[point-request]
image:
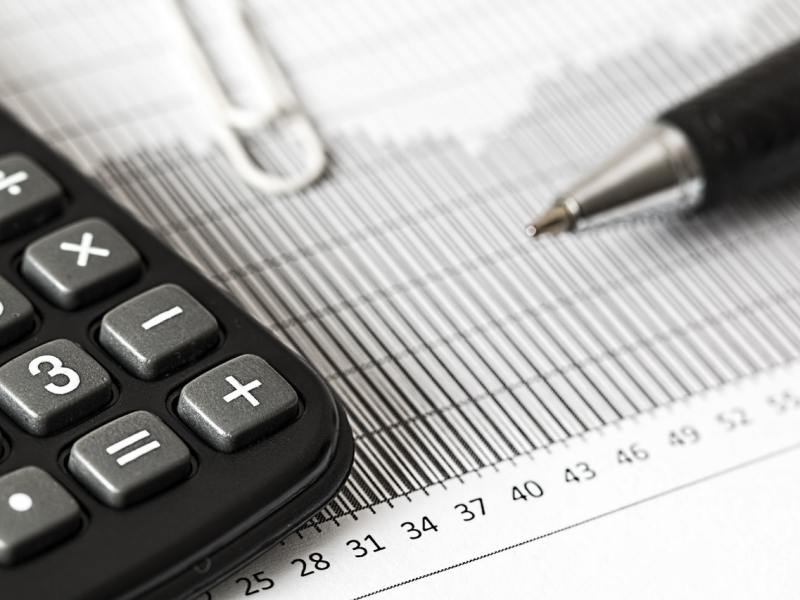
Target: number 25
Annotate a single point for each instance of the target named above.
(56, 368)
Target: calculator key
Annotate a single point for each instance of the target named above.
(129, 459)
(237, 402)
(28, 195)
(16, 314)
(80, 263)
(159, 331)
(52, 387)
(35, 513)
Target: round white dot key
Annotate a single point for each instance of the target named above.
(20, 501)
(36, 512)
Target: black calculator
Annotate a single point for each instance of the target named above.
(153, 436)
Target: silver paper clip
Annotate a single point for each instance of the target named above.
(234, 121)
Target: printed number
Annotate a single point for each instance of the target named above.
(631, 454)
(251, 586)
(580, 472)
(315, 560)
(529, 489)
(56, 368)
(683, 436)
(733, 419)
(414, 532)
(784, 401)
(360, 549)
(467, 513)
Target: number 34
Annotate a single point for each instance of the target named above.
(56, 369)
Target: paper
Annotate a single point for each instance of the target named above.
(462, 350)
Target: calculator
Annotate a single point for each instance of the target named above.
(153, 436)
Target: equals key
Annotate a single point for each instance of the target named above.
(129, 459)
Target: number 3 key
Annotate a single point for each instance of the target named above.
(52, 386)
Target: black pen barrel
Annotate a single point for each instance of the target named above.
(746, 129)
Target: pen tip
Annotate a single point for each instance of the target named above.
(554, 220)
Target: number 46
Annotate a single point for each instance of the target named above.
(632, 454)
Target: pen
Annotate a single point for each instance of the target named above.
(741, 136)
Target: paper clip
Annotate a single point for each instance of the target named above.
(235, 121)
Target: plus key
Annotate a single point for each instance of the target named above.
(229, 420)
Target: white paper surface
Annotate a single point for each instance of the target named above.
(472, 361)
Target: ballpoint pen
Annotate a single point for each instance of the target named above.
(741, 136)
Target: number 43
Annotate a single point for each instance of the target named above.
(580, 472)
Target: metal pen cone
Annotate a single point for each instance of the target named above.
(657, 170)
(554, 220)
